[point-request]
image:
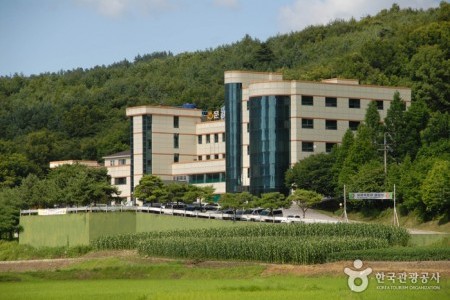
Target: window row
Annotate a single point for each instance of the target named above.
(209, 137)
(309, 147)
(121, 162)
(332, 102)
(207, 178)
(211, 156)
(329, 124)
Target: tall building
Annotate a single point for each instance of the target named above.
(272, 123)
(267, 126)
(177, 144)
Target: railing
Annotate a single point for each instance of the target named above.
(167, 211)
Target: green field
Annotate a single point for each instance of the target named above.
(191, 268)
(137, 278)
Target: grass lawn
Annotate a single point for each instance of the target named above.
(278, 287)
(137, 278)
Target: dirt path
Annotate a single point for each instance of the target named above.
(335, 268)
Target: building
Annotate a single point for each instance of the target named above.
(177, 144)
(119, 169)
(268, 124)
(271, 123)
(88, 163)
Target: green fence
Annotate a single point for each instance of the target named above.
(73, 229)
(81, 228)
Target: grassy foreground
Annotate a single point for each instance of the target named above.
(114, 278)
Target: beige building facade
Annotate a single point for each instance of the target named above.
(268, 124)
(272, 123)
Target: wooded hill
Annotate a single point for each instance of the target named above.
(80, 114)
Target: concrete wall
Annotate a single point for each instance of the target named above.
(55, 231)
(73, 229)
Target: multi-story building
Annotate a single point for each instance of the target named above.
(119, 169)
(269, 125)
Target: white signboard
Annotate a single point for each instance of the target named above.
(52, 211)
(367, 196)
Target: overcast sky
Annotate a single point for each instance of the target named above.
(50, 35)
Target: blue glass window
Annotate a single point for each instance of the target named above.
(269, 143)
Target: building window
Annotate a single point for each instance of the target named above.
(329, 147)
(216, 156)
(200, 139)
(176, 122)
(216, 137)
(120, 181)
(380, 105)
(331, 124)
(307, 146)
(353, 125)
(308, 100)
(248, 127)
(208, 157)
(200, 157)
(223, 156)
(122, 161)
(223, 137)
(354, 103)
(112, 162)
(208, 139)
(330, 101)
(307, 123)
(176, 157)
(176, 140)
(248, 149)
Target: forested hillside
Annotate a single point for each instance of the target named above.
(80, 114)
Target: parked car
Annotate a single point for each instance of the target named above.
(251, 214)
(291, 219)
(193, 207)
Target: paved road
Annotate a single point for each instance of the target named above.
(316, 215)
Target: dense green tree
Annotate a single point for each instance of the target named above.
(151, 189)
(175, 191)
(372, 120)
(9, 213)
(272, 201)
(435, 189)
(15, 167)
(416, 119)
(232, 201)
(430, 73)
(369, 178)
(305, 199)
(313, 173)
(395, 126)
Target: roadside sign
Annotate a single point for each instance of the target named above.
(366, 196)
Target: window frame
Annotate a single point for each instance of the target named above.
(331, 127)
(307, 146)
(330, 101)
(307, 100)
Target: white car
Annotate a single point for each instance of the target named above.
(291, 219)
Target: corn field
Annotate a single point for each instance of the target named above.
(273, 243)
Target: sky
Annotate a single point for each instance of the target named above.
(38, 36)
